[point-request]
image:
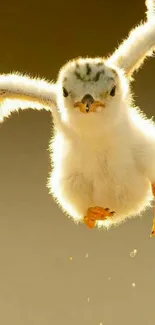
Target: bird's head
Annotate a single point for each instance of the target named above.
(90, 90)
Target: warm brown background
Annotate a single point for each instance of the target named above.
(39, 284)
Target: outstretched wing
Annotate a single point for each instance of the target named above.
(150, 4)
(140, 43)
(22, 92)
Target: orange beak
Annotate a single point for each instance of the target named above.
(88, 104)
(92, 107)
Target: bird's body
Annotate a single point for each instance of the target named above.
(106, 170)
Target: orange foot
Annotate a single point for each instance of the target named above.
(153, 226)
(153, 229)
(97, 214)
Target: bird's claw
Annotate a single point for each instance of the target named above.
(153, 229)
(153, 226)
(95, 214)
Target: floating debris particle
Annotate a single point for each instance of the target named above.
(133, 253)
(86, 256)
(88, 299)
(71, 258)
(133, 284)
(109, 278)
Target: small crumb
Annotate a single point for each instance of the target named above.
(71, 258)
(133, 253)
(86, 256)
(101, 323)
(133, 284)
(109, 278)
(88, 299)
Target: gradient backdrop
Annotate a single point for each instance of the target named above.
(53, 272)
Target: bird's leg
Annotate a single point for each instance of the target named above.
(153, 226)
(97, 214)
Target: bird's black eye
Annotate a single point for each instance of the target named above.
(113, 91)
(65, 92)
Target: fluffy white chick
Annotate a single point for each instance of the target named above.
(103, 148)
(103, 152)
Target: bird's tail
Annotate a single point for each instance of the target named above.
(23, 92)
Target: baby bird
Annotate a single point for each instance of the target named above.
(103, 147)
